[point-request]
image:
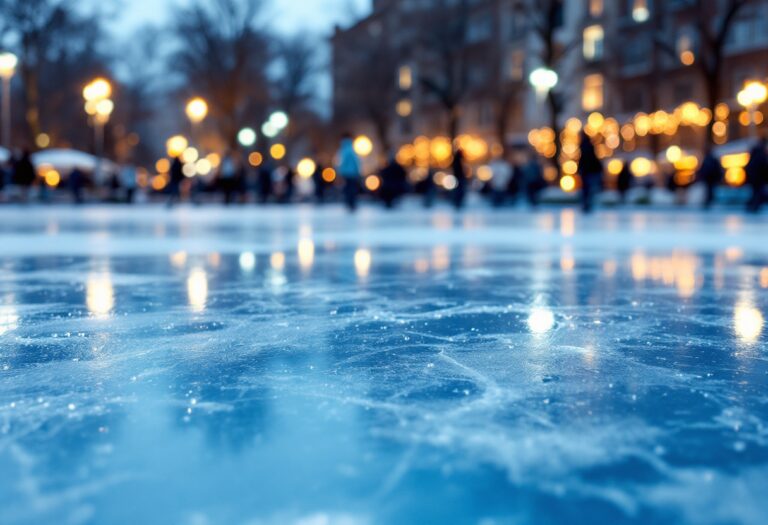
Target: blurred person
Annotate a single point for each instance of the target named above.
(757, 172)
(624, 182)
(176, 178)
(288, 185)
(76, 185)
(319, 182)
(24, 174)
(393, 182)
(227, 178)
(533, 178)
(426, 187)
(501, 179)
(5, 175)
(128, 181)
(460, 192)
(711, 173)
(349, 169)
(265, 185)
(590, 168)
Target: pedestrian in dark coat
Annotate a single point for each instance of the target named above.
(591, 170)
(393, 182)
(624, 182)
(460, 192)
(174, 187)
(757, 172)
(711, 174)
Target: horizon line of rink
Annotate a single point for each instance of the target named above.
(681, 271)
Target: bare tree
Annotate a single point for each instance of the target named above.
(546, 18)
(294, 86)
(57, 48)
(365, 87)
(713, 21)
(222, 56)
(444, 73)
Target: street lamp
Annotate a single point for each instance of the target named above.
(543, 80)
(247, 137)
(197, 110)
(8, 63)
(99, 107)
(751, 97)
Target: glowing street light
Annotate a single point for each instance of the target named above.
(751, 97)
(279, 120)
(176, 145)
(247, 137)
(8, 63)
(363, 146)
(197, 110)
(99, 107)
(98, 89)
(543, 80)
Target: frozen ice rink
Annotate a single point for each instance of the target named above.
(299, 366)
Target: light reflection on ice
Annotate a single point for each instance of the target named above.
(9, 315)
(197, 289)
(247, 261)
(363, 262)
(178, 259)
(100, 295)
(306, 252)
(747, 322)
(277, 261)
(541, 320)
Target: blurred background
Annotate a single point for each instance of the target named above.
(655, 85)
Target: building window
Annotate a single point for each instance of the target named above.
(405, 78)
(480, 28)
(596, 8)
(593, 42)
(517, 65)
(592, 96)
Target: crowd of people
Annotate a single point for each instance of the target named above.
(512, 177)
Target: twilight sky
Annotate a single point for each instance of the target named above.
(317, 16)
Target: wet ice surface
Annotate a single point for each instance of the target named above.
(297, 366)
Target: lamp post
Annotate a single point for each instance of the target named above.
(751, 97)
(99, 107)
(543, 81)
(197, 111)
(8, 63)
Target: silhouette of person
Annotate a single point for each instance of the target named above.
(393, 182)
(174, 186)
(460, 192)
(591, 170)
(349, 169)
(757, 171)
(711, 174)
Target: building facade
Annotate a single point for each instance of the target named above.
(462, 67)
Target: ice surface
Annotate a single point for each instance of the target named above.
(301, 366)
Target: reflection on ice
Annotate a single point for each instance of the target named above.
(747, 322)
(197, 289)
(306, 251)
(100, 295)
(541, 320)
(277, 261)
(178, 260)
(9, 315)
(247, 261)
(362, 262)
(441, 258)
(598, 375)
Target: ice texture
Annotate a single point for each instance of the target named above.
(297, 365)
